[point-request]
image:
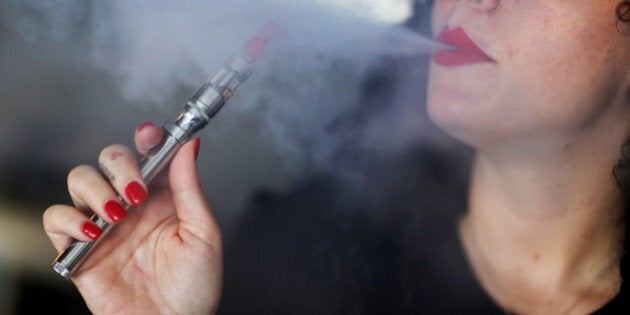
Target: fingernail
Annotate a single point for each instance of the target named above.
(91, 230)
(115, 210)
(144, 125)
(197, 144)
(135, 193)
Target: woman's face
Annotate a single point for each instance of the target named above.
(543, 68)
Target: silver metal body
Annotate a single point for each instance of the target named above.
(197, 112)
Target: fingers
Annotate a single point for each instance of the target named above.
(89, 190)
(190, 203)
(119, 165)
(147, 136)
(63, 223)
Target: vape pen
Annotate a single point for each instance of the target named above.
(197, 112)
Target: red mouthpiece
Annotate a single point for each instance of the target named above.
(255, 48)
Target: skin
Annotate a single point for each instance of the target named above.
(165, 258)
(543, 230)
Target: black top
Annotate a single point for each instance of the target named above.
(384, 244)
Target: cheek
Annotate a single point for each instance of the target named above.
(565, 94)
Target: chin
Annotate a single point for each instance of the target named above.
(449, 113)
(466, 124)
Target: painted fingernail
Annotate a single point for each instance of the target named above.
(135, 193)
(144, 125)
(197, 144)
(115, 210)
(91, 230)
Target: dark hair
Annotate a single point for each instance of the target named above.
(623, 11)
(621, 172)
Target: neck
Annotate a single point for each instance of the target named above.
(540, 226)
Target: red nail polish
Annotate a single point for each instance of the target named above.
(144, 125)
(135, 193)
(197, 144)
(91, 230)
(115, 210)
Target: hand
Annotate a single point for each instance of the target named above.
(165, 256)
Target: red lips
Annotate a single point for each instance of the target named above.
(466, 52)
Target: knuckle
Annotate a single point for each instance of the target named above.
(46, 216)
(113, 152)
(79, 172)
(53, 215)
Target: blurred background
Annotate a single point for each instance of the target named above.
(59, 107)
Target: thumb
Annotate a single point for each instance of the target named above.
(192, 208)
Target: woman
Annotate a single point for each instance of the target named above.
(546, 107)
(539, 90)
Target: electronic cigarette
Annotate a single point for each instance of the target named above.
(197, 112)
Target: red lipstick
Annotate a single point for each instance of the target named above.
(466, 51)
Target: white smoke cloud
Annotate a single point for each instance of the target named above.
(389, 11)
(309, 77)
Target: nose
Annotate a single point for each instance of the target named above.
(460, 10)
(483, 5)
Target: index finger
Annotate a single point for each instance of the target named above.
(147, 136)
